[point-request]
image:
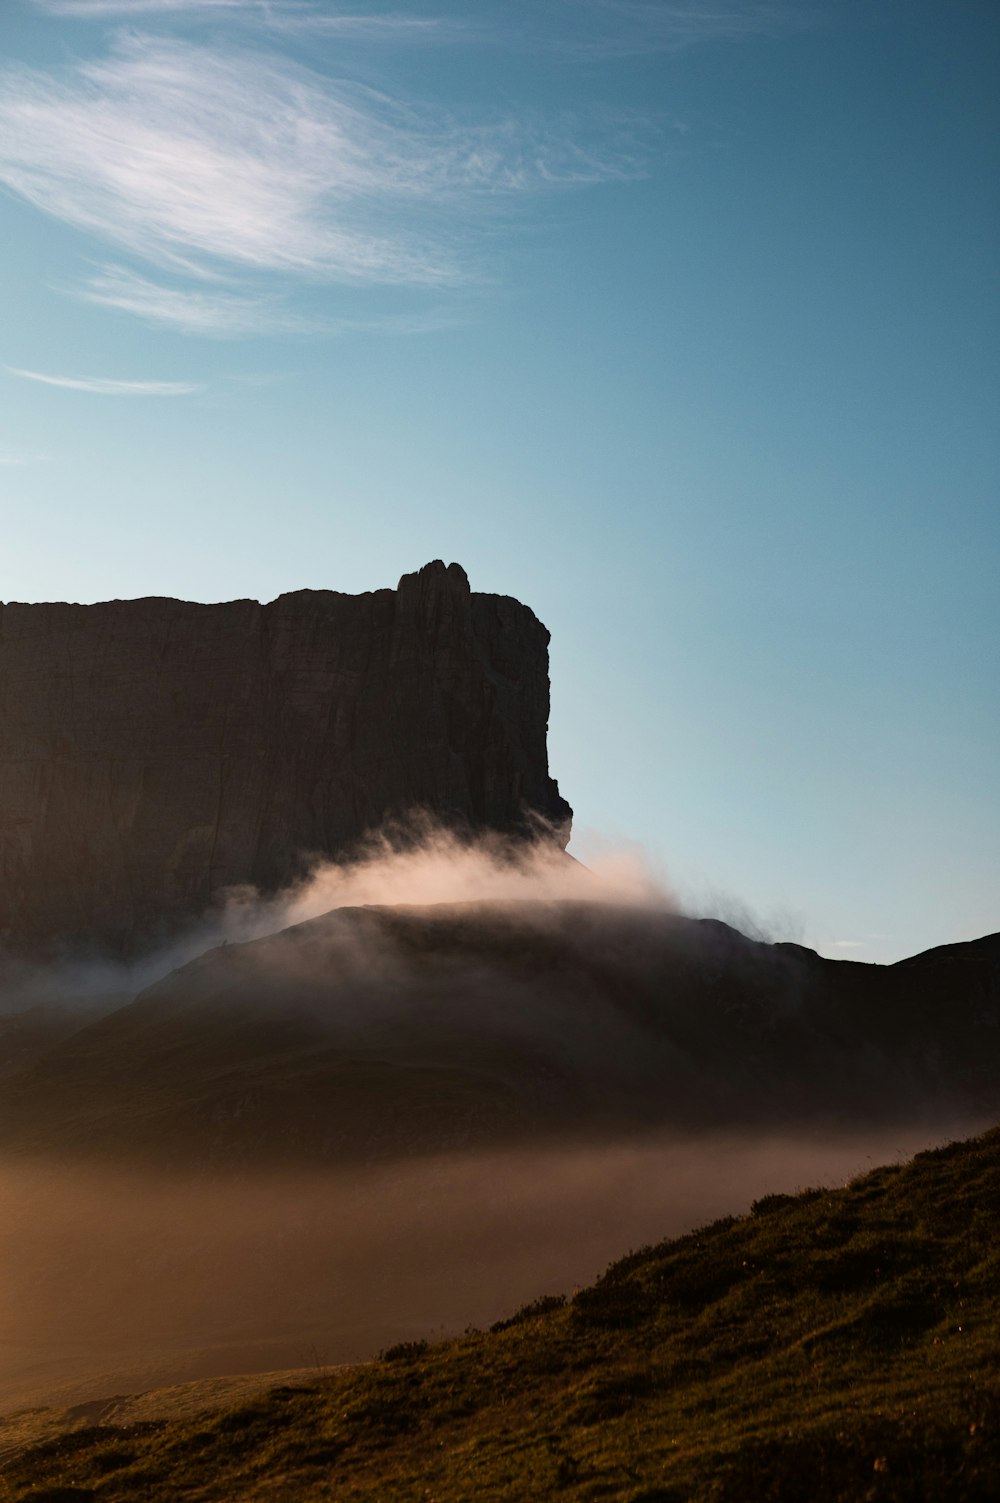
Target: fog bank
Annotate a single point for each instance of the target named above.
(111, 1283)
(412, 861)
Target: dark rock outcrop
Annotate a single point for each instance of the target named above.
(155, 752)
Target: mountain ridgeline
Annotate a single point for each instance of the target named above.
(155, 753)
(156, 756)
(377, 1033)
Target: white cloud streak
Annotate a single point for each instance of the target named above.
(603, 27)
(221, 313)
(224, 314)
(212, 161)
(100, 386)
(275, 15)
(189, 156)
(389, 27)
(123, 10)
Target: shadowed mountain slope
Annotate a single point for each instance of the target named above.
(376, 1032)
(835, 1345)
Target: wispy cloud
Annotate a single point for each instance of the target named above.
(195, 310)
(197, 158)
(391, 26)
(123, 9)
(226, 314)
(277, 15)
(105, 388)
(627, 28)
(211, 160)
(604, 27)
(240, 177)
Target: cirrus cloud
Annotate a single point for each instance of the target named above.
(275, 15)
(101, 386)
(222, 165)
(200, 158)
(193, 310)
(125, 8)
(225, 314)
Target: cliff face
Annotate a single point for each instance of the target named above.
(154, 752)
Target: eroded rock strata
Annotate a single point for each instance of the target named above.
(154, 752)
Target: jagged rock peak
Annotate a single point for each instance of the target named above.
(435, 574)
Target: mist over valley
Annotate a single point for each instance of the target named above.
(322, 1071)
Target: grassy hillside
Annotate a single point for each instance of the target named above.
(834, 1345)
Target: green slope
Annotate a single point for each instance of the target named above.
(835, 1345)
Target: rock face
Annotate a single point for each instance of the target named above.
(155, 752)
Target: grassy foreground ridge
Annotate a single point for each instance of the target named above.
(833, 1345)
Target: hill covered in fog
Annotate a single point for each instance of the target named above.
(377, 1032)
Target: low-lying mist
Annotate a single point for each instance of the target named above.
(112, 1283)
(411, 861)
(488, 1073)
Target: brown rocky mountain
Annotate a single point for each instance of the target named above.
(155, 752)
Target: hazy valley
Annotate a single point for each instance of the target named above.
(284, 1102)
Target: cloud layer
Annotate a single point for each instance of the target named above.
(125, 9)
(100, 386)
(237, 171)
(195, 158)
(193, 310)
(609, 27)
(275, 15)
(211, 155)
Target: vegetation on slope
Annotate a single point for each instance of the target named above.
(834, 1345)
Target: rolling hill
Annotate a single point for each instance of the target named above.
(371, 1033)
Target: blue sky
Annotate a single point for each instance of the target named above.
(676, 321)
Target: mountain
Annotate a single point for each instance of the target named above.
(31, 1031)
(834, 1345)
(154, 753)
(378, 1032)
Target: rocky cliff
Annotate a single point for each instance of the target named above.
(154, 752)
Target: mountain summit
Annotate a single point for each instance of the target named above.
(155, 752)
